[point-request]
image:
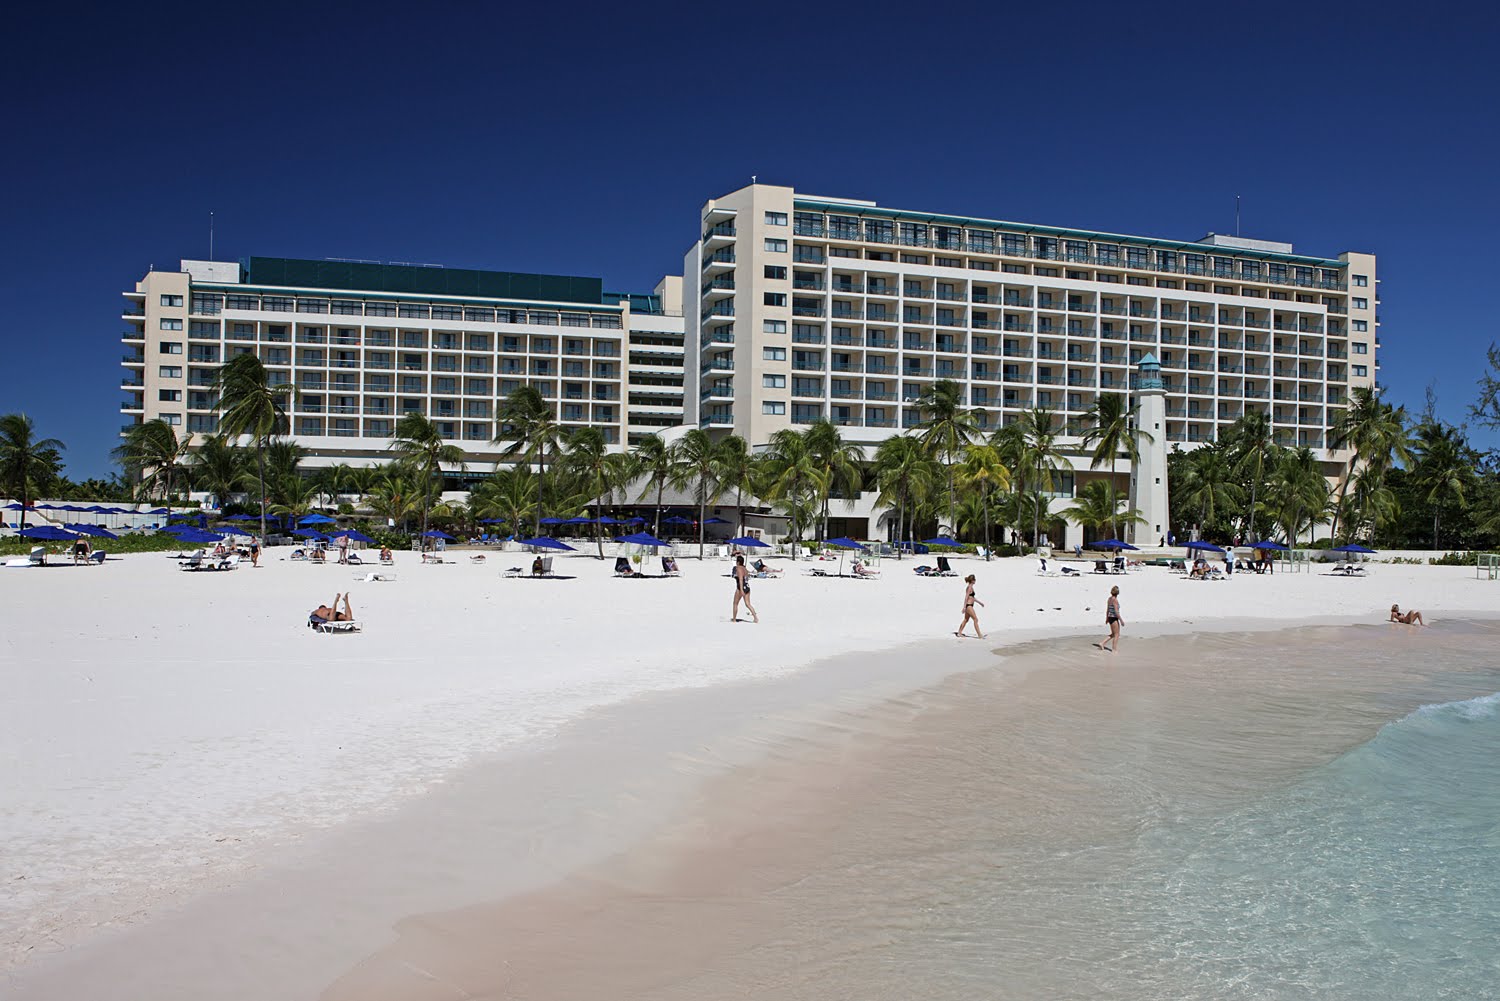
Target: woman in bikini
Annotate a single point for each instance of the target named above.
(1406, 618)
(741, 591)
(327, 613)
(1112, 619)
(969, 614)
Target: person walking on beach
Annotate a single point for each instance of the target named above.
(1114, 621)
(254, 551)
(741, 576)
(970, 600)
(343, 549)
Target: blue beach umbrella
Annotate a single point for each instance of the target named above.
(842, 543)
(550, 521)
(942, 540)
(1113, 544)
(1207, 547)
(605, 519)
(316, 519)
(544, 542)
(13, 506)
(644, 539)
(714, 521)
(749, 542)
(242, 517)
(492, 521)
(198, 537)
(49, 533)
(434, 533)
(676, 520)
(637, 520)
(176, 529)
(310, 533)
(353, 534)
(1352, 548)
(93, 530)
(1276, 546)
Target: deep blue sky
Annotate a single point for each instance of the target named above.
(560, 138)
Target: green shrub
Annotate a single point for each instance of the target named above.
(1452, 560)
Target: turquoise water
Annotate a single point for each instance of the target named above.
(1308, 815)
(1375, 875)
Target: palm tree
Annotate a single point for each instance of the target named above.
(653, 460)
(843, 461)
(903, 474)
(418, 443)
(250, 405)
(395, 494)
(1252, 447)
(25, 460)
(982, 468)
(1111, 432)
(528, 424)
(332, 481)
(509, 493)
(1441, 469)
(295, 495)
(1030, 447)
(153, 452)
(947, 428)
(1301, 491)
(695, 463)
(599, 472)
(1374, 432)
(1097, 505)
(1207, 485)
(737, 470)
(794, 480)
(219, 467)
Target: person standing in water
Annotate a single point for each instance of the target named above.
(742, 590)
(969, 614)
(1114, 621)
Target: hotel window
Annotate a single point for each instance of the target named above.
(775, 218)
(774, 298)
(171, 324)
(1356, 303)
(169, 395)
(171, 300)
(773, 381)
(172, 419)
(1360, 349)
(773, 407)
(776, 246)
(773, 326)
(170, 348)
(1361, 281)
(773, 354)
(1360, 370)
(775, 272)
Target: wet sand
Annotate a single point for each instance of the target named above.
(957, 842)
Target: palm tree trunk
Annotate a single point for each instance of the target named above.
(1434, 529)
(739, 512)
(702, 504)
(900, 523)
(985, 494)
(260, 474)
(656, 527)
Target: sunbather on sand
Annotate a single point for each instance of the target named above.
(385, 555)
(327, 613)
(1406, 618)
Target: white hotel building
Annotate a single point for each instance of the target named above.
(810, 307)
(796, 307)
(364, 343)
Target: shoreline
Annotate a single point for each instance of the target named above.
(786, 667)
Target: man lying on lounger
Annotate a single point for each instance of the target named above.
(326, 613)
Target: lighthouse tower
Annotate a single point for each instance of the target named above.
(1148, 478)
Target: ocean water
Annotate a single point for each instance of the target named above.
(1233, 817)
(1308, 814)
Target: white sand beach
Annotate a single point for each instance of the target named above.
(186, 764)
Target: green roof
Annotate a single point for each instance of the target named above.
(844, 208)
(288, 272)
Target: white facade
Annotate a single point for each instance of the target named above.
(360, 358)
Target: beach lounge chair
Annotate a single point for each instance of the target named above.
(623, 567)
(513, 571)
(347, 626)
(435, 557)
(943, 569)
(353, 559)
(1041, 568)
(1100, 567)
(36, 558)
(924, 570)
(476, 558)
(97, 556)
(760, 567)
(546, 566)
(193, 562)
(669, 566)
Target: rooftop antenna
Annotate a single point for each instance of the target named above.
(1236, 215)
(210, 234)
(752, 178)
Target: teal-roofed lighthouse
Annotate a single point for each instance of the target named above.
(1148, 480)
